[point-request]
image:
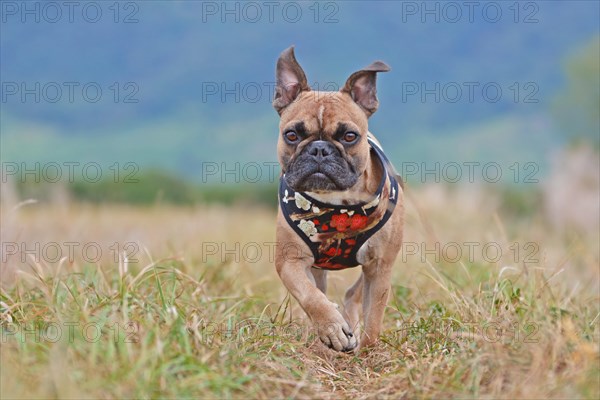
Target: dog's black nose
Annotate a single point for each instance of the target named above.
(320, 149)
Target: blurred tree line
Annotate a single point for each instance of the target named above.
(150, 188)
(577, 108)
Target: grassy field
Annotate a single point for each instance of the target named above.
(131, 302)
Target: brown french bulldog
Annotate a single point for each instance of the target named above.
(340, 202)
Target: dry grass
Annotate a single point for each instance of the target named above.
(188, 320)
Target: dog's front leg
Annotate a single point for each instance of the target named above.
(320, 277)
(376, 290)
(332, 328)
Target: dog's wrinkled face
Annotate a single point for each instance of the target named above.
(323, 135)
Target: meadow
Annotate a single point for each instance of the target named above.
(490, 299)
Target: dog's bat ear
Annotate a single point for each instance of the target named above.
(361, 86)
(291, 80)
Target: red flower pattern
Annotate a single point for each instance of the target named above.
(341, 222)
(358, 222)
(332, 252)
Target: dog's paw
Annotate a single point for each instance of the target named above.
(337, 335)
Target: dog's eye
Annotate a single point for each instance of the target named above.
(350, 137)
(291, 136)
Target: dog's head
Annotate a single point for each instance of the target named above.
(323, 135)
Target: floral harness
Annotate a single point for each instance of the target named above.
(335, 233)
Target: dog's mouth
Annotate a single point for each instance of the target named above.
(314, 177)
(320, 175)
(318, 181)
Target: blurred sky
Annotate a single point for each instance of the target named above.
(175, 84)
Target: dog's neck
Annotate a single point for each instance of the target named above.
(362, 192)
